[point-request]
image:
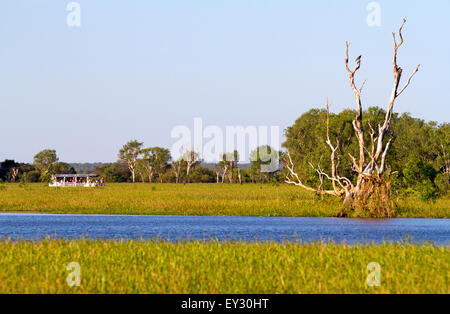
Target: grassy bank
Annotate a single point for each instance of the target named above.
(212, 267)
(191, 199)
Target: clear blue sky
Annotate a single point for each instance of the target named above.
(136, 69)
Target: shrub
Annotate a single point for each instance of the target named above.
(442, 182)
(427, 191)
(31, 176)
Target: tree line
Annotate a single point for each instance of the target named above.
(419, 158)
(137, 163)
(155, 164)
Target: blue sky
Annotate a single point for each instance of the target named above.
(136, 69)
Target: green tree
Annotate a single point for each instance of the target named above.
(62, 168)
(306, 142)
(155, 161)
(233, 160)
(264, 163)
(190, 158)
(116, 172)
(416, 146)
(161, 161)
(44, 160)
(129, 154)
(442, 182)
(141, 170)
(416, 171)
(9, 170)
(222, 167)
(177, 166)
(202, 174)
(228, 166)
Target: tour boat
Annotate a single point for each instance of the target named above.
(76, 180)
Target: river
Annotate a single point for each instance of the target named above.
(37, 226)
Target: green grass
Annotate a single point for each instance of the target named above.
(192, 199)
(213, 267)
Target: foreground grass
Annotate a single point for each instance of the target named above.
(192, 199)
(213, 267)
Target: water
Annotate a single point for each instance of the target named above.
(37, 226)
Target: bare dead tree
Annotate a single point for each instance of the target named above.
(224, 171)
(239, 175)
(369, 181)
(13, 174)
(223, 166)
(191, 158)
(232, 159)
(176, 166)
(231, 172)
(217, 172)
(340, 184)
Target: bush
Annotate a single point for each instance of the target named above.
(442, 182)
(416, 170)
(427, 191)
(397, 184)
(31, 176)
(116, 172)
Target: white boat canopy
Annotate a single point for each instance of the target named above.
(75, 175)
(76, 180)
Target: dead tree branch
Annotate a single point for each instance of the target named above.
(357, 123)
(380, 151)
(336, 180)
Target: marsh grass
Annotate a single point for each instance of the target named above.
(220, 267)
(192, 199)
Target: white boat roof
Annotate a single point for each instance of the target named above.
(75, 175)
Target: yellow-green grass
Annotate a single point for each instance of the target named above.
(213, 267)
(192, 199)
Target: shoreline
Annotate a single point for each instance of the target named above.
(37, 213)
(252, 200)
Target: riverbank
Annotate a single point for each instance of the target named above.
(192, 199)
(175, 228)
(213, 267)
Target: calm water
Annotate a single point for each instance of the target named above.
(35, 226)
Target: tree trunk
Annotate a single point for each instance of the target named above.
(217, 176)
(223, 175)
(370, 198)
(187, 172)
(230, 175)
(15, 173)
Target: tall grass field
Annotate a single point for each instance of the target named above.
(227, 267)
(193, 199)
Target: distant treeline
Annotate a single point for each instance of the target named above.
(85, 167)
(419, 158)
(90, 167)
